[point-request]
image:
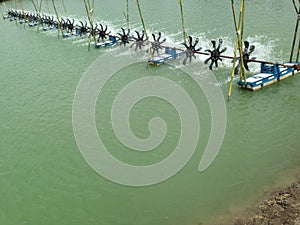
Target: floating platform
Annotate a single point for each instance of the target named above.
(111, 41)
(32, 24)
(71, 34)
(170, 53)
(268, 75)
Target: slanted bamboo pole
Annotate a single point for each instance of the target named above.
(1, 9)
(295, 33)
(235, 50)
(5, 5)
(242, 11)
(40, 9)
(35, 7)
(234, 15)
(233, 69)
(89, 12)
(239, 28)
(16, 7)
(64, 6)
(2, 14)
(240, 37)
(182, 22)
(47, 5)
(25, 15)
(141, 16)
(294, 40)
(294, 3)
(127, 15)
(38, 14)
(298, 52)
(151, 54)
(57, 17)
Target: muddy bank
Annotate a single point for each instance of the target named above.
(281, 207)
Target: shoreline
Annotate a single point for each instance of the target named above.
(280, 206)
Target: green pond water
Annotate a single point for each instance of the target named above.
(45, 180)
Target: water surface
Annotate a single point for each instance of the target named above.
(45, 180)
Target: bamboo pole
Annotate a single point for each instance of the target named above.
(127, 14)
(88, 8)
(294, 3)
(89, 12)
(151, 54)
(298, 52)
(295, 35)
(57, 17)
(240, 37)
(2, 14)
(239, 27)
(47, 5)
(25, 16)
(294, 40)
(242, 11)
(235, 50)
(5, 5)
(234, 15)
(182, 22)
(16, 7)
(89, 5)
(1, 9)
(38, 14)
(233, 69)
(64, 6)
(40, 9)
(141, 16)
